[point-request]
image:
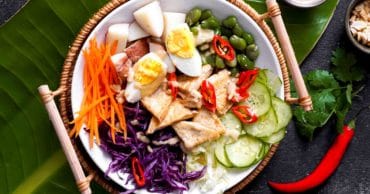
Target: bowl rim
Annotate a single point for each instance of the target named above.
(352, 39)
(297, 3)
(66, 80)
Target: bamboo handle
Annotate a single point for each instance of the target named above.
(283, 37)
(83, 182)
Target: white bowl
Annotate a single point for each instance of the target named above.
(221, 9)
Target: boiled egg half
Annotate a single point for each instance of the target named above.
(180, 45)
(145, 77)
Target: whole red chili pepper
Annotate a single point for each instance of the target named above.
(244, 114)
(223, 48)
(137, 171)
(172, 84)
(325, 168)
(208, 95)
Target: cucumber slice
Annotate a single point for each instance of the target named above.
(273, 81)
(243, 152)
(221, 154)
(275, 137)
(231, 122)
(262, 76)
(259, 99)
(265, 126)
(262, 152)
(283, 112)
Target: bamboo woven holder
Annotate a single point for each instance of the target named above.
(78, 157)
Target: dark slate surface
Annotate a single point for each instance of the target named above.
(297, 157)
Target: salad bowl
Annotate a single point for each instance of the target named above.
(94, 159)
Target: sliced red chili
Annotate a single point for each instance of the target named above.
(208, 95)
(172, 84)
(244, 114)
(137, 171)
(223, 48)
(246, 79)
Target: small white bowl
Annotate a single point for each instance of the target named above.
(305, 3)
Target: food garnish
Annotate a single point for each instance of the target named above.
(99, 102)
(331, 92)
(137, 171)
(244, 114)
(325, 168)
(208, 95)
(223, 48)
(172, 84)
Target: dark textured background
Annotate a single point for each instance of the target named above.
(297, 157)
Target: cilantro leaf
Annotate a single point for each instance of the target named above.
(320, 79)
(344, 68)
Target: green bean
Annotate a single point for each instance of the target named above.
(193, 16)
(204, 59)
(237, 42)
(237, 30)
(210, 59)
(226, 32)
(210, 23)
(234, 71)
(248, 38)
(206, 14)
(231, 63)
(219, 62)
(217, 31)
(244, 62)
(195, 30)
(230, 22)
(252, 52)
(225, 38)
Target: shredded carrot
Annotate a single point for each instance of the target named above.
(99, 103)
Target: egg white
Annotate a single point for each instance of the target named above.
(189, 66)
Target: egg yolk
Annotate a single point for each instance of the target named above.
(147, 71)
(180, 42)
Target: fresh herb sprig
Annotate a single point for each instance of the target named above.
(331, 92)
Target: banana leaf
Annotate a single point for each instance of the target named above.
(33, 45)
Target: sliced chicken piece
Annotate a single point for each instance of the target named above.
(193, 134)
(210, 120)
(122, 64)
(177, 112)
(137, 49)
(188, 84)
(158, 103)
(191, 100)
(220, 83)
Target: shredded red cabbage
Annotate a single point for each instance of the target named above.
(164, 165)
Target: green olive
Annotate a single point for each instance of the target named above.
(244, 62)
(234, 71)
(193, 16)
(248, 38)
(206, 14)
(219, 62)
(230, 22)
(210, 23)
(238, 30)
(237, 42)
(252, 52)
(204, 59)
(226, 32)
(231, 63)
